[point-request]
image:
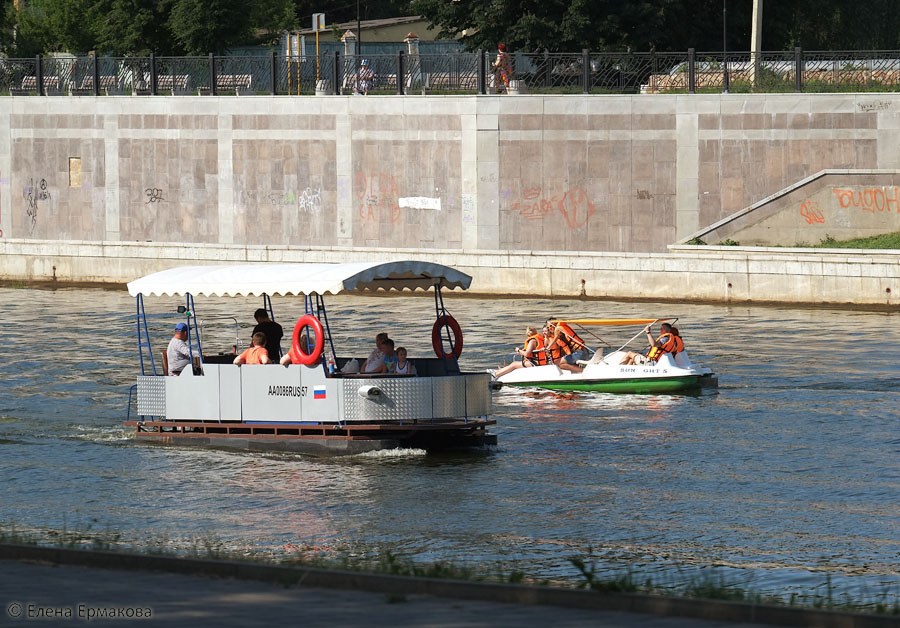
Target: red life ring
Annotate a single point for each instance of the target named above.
(297, 354)
(437, 340)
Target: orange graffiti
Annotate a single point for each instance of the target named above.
(574, 205)
(810, 212)
(869, 199)
(378, 197)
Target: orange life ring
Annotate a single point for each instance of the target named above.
(437, 340)
(297, 354)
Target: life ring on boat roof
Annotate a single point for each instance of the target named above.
(298, 356)
(437, 340)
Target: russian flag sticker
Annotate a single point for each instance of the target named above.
(318, 392)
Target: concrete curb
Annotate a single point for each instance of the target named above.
(404, 585)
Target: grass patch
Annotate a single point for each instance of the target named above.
(882, 241)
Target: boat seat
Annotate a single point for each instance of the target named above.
(595, 359)
(165, 361)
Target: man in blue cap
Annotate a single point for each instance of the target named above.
(178, 353)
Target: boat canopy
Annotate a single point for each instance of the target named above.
(298, 279)
(614, 321)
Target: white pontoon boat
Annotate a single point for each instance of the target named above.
(309, 405)
(606, 373)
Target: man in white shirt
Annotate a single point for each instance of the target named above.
(178, 353)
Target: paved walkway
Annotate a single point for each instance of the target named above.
(190, 601)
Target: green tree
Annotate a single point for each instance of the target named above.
(133, 27)
(204, 26)
(53, 25)
(665, 25)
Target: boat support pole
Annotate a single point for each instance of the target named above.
(635, 336)
(144, 337)
(440, 311)
(193, 338)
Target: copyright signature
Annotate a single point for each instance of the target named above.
(14, 610)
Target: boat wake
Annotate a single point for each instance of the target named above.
(398, 453)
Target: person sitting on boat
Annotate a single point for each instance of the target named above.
(390, 357)
(375, 362)
(178, 354)
(532, 353)
(679, 343)
(273, 331)
(256, 353)
(403, 366)
(570, 345)
(667, 342)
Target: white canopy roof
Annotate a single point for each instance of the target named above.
(284, 279)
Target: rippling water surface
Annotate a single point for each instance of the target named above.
(788, 472)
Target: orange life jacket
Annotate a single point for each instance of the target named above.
(569, 342)
(679, 345)
(538, 356)
(666, 343)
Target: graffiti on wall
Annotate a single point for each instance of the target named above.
(378, 197)
(883, 199)
(811, 213)
(154, 195)
(574, 206)
(34, 195)
(310, 201)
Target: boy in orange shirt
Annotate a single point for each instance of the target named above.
(256, 354)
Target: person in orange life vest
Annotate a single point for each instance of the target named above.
(571, 346)
(255, 354)
(667, 342)
(552, 350)
(679, 343)
(532, 353)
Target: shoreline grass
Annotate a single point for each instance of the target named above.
(712, 585)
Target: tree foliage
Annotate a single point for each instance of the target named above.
(139, 27)
(664, 25)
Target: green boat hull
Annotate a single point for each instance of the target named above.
(634, 385)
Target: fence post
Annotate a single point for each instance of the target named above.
(547, 68)
(96, 71)
(153, 74)
(482, 82)
(336, 73)
(273, 88)
(692, 85)
(39, 74)
(586, 71)
(212, 75)
(401, 72)
(798, 69)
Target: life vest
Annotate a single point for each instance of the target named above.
(569, 342)
(666, 343)
(538, 356)
(679, 345)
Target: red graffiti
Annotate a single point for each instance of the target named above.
(378, 197)
(810, 212)
(574, 205)
(869, 199)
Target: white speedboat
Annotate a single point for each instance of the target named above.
(606, 373)
(311, 405)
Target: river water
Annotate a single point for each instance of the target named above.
(783, 479)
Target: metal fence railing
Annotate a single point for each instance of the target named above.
(455, 73)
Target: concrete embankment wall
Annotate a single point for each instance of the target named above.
(686, 273)
(545, 187)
